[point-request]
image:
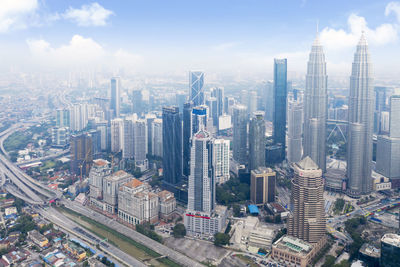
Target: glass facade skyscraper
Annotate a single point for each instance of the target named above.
(257, 141)
(280, 96)
(240, 134)
(196, 87)
(172, 145)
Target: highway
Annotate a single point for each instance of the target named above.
(142, 239)
(72, 227)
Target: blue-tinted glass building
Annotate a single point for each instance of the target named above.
(280, 95)
(172, 145)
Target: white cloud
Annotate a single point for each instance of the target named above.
(337, 39)
(393, 7)
(89, 15)
(15, 13)
(224, 46)
(80, 52)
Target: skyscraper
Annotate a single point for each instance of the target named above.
(199, 118)
(295, 131)
(128, 147)
(257, 141)
(63, 118)
(307, 220)
(388, 146)
(240, 134)
(220, 150)
(117, 135)
(81, 154)
(115, 96)
(186, 134)
(280, 95)
(140, 143)
(172, 145)
(196, 90)
(157, 147)
(212, 105)
(201, 194)
(218, 93)
(361, 112)
(315, 106)
(202, 216)
(269, 100)
(251, 102)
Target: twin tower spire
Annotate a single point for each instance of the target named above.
(360, 122)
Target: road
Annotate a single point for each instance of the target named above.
(70, 226)
(142, 239)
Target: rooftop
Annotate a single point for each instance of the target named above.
(307, 164)
(293, 244)
(391, 239)
(133, 183)
(100, 162)
(117, 175)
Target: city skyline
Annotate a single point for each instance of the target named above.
(102, 35)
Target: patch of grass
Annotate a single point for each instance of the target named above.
(247, 260)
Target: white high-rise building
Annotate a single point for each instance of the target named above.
(129, 144)
(78, 117)
(140, 143)
(115, 96)
(360, 128)
(220, 157)
(157, 146)
(117, 135)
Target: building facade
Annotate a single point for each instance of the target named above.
(117, 135)
(295, 131)
(172, 145)
(307, 220)
(360, 125)
(111, 185)
(257, 140)
(390, 250)
(262, 186)
(240, 134)
(280, 99)
(115, 96)
(196, 90)
(315, 106)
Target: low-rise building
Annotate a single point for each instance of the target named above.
(136, 204)
(291, 250)
(380, 183)
(37, 238)
(262, 238)
(75, 250)
(167, 203)
(204, 223)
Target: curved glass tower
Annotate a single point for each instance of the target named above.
(361, 114)
(315, 106)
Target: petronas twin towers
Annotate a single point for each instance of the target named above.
(360, 124)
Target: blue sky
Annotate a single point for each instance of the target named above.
(174, 36)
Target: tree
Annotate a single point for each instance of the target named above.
(221, 239)
(179, 230)
(329, 261)
(236, 210)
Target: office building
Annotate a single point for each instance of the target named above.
(257, 141)
(280, 96)
(196, 87)
(117, 135)
(315, 106)
(172, 145)
(262, 186)
(388, 146)
(63, 117)
(105, 135)
(115, 96)
(390, 250)
(100, 169)
(186, 134)
(220, 152)
(240, 134)
(201, 217)
(268, 100)
(380, 105)
(252, 102)
(180, 100)
(136, 204)
(167, 203)
(295, 131)
(307, 220)
(218, 93)
(156, 138)
(111, 185)
(149, 121)
(96, 142)
(293, 251)
(137, 102)
(81, 154)
(360, 127)
(200, 115)
(128, 143)
(212, 105)
(140, 144)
